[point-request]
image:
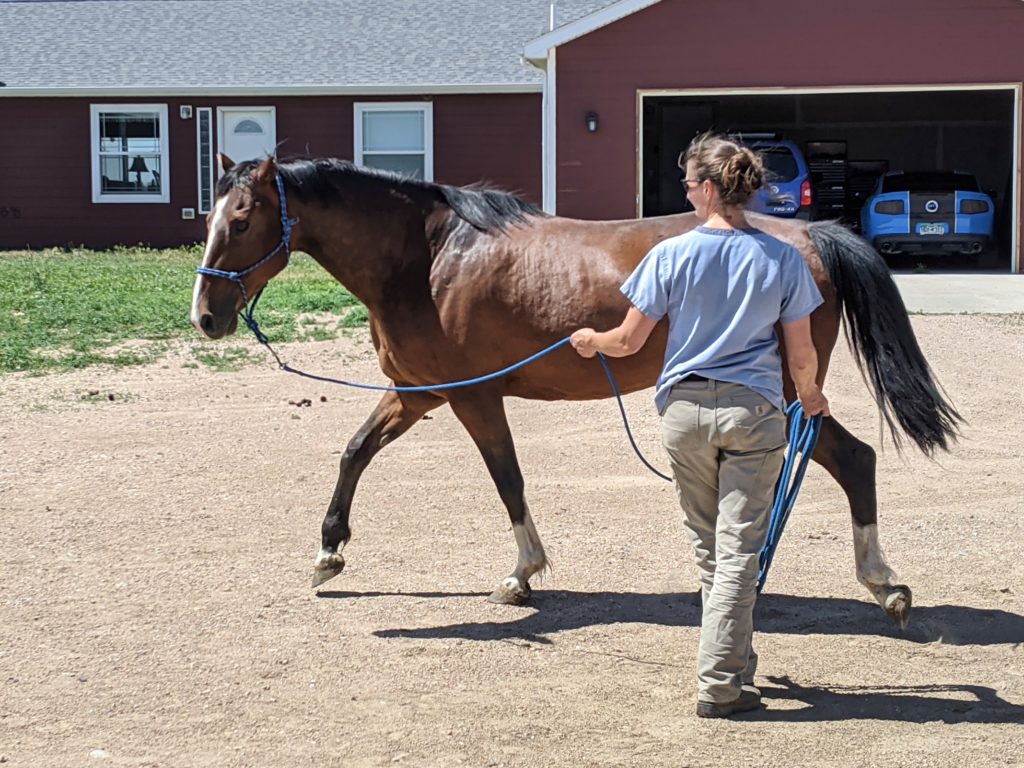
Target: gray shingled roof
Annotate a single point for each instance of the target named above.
(199, 44)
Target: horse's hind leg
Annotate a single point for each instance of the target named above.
(484, 418)
(852, 464)
(394, 414)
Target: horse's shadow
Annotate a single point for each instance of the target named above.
(560, 611)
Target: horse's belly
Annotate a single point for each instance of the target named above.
(567, 376)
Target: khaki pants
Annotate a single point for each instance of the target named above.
(726, 446)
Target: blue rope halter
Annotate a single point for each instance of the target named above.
(248, 310)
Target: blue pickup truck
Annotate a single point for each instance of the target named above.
(931, 212)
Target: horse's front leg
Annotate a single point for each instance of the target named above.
(394, 414)
(852, 464)
(483, 416)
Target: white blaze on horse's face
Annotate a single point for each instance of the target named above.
(215, 230)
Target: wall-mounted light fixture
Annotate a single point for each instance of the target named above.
(591, 120)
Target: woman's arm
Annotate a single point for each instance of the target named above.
(627, 339)
(802, 358)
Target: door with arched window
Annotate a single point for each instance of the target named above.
(245, 133)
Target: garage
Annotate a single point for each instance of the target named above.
(848, 139)
(909, 86)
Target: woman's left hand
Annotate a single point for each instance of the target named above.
(583, 342)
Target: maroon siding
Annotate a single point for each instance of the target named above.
(751, 43)
(45, 161)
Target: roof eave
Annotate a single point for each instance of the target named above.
(274, 90)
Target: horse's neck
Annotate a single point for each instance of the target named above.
(371, 254)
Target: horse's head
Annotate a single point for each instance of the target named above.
(247, 243)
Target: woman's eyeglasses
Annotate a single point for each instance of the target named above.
(688, 183)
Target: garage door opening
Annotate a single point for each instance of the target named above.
(848, 139)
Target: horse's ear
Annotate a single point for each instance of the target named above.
(266, 172)
(226, 163)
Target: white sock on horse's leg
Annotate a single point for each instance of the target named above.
(872, 570)
(532, 558)
(875, 574)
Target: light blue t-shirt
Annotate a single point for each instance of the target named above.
(723, 291)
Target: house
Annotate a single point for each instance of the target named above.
(112, 110)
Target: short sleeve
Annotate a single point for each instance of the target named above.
(800, 295)
(647, 288)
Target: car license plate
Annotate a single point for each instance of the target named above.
(931, 229)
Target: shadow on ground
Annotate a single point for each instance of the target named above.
(551, 612)
(911, 704)
(557, 611)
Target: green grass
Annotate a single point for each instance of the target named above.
(64, 309)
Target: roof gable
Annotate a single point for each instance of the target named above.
(537, 50)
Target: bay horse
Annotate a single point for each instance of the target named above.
(463, 281)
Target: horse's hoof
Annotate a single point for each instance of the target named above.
(328, 564)
(511, 592)
(898, 603)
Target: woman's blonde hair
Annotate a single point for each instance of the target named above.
(737, 171)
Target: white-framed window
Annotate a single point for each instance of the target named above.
(396, 136)
(130, 153)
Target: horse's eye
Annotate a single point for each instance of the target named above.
(241, 226)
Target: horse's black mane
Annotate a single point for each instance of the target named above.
(324, 180)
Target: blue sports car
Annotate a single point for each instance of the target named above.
(930, 212)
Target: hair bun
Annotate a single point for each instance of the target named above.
(742, 176)
(736, 170)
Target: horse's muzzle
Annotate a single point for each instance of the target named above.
(210, 327)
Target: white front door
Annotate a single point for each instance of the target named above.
(246, 133)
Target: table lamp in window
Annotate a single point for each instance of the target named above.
(138, 167)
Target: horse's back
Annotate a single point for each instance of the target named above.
(506, 295)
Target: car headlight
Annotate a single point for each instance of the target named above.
(891, 206)
(973, 206)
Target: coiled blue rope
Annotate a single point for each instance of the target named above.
(803, 437)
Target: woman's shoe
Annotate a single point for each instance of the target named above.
(747, 701)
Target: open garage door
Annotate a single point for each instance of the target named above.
(848, 138)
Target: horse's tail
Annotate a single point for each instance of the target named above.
(882, 340)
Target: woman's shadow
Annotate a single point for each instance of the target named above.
(906, 703)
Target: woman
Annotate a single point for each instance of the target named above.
(723, 286)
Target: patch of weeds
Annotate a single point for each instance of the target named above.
(103, 396)
(230, 360)
(356, 317)
(921, 269)
(1011, 320)
(318, 333)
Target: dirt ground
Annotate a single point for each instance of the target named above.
(155, 607)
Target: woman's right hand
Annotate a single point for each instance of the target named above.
(814, 403)
(583, 342)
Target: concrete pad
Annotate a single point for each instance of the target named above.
(950, 294)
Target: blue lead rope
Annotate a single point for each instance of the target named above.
(803, 433)
(803, 437)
